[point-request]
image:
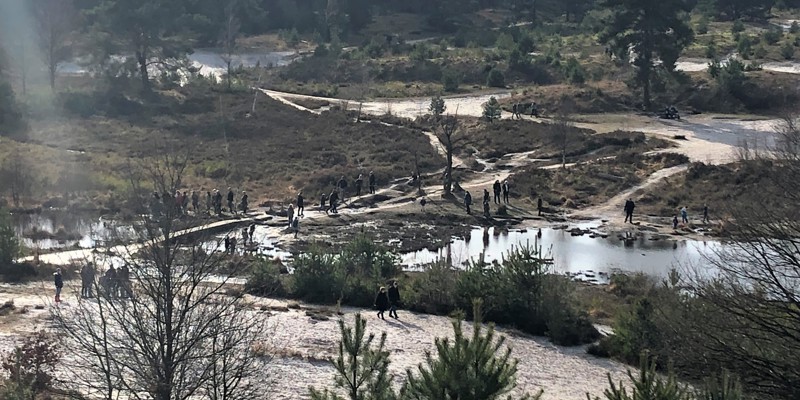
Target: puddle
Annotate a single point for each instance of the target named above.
(585, 257)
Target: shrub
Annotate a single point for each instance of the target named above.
(574, 71)
(744, 46)
(496, 78)
(433, 290)
(524, 293)
(265, 279)
(738, 26)
(787, 51)
(711, 51)
(794, 28)
(772, 36)
(450, 80)
(317, 277)
(492, 110)
(32, 364)
(702, 26)
(649, 385)
(9, 245)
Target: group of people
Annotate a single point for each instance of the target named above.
(180, 202)
(115, 283)
(498, 189)
(630, 205)
(520, 108)
(388, 300)
(685, 216)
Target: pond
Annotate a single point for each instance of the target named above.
(208, 61)
(576, 255)
(50, 230)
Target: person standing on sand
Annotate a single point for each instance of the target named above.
(371, 183)
(359, 183)
(497, 188)
(382, 302)
(394, 300)
(301, 209)
(506, 189)
(539, 206)
(87, 279)
(467, 201)
(684, 215)
(59, 282)
(252, 232)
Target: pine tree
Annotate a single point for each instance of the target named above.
(647, 386)
(491, 110)
(361, 368)
(466, 368)
(437, 106)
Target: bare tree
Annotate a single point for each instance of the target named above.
(562, 126)
(55, 19)
(229, 35)
(445, 128)
(747, 319)
(170, 330)
(17, 174)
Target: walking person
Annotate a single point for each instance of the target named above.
(218, 202)
(290, 214)
(243, 203)
(332, 200)
(684, 215)
(467, 201)
(185, 203)
(486, 198)
(301, 205)
(382, 302)
(230, 201)
(539, 206)
(394, 300)
(323, 202)
(497, 188)
(675, 222)
(359, 182)
(371, 183)
(629, 207)
(705, 214)
(245, 235)
(506, 189)
(59, 283)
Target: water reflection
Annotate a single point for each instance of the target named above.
(572, 254)
(50, 230)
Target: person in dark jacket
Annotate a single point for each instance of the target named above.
(539, 206)
(332, 200)
(506, 189)
(87, 280)
(468, 202)
(371, 183)
(59, 282)
(323, 202)
(497, 188)
(301, 204)
(359, 183)
(394, 300)
(243, 204)
(230, 201)
(382, 302)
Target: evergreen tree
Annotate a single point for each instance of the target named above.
(9, 245)
(736, 9)
(491, 110)
(361, 367)
(647, 386)
(466, 368)
(650, 30)
(154, 32)
(437, 107)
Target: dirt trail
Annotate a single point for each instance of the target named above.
(613, 207)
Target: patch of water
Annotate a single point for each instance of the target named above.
(70, 229)
(265, 242)
(578, 255)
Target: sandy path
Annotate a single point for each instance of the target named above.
(563, 373)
